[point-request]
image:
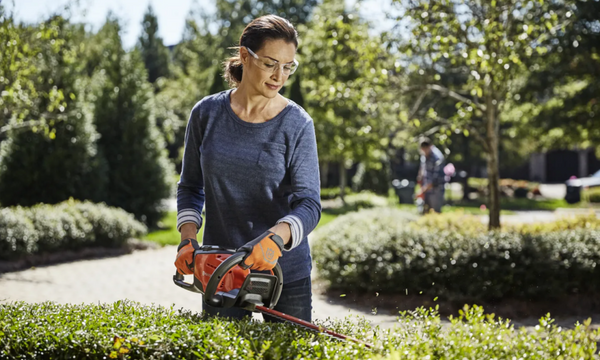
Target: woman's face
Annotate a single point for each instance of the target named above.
(258, 72)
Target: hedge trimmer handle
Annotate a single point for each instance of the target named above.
(216, 300)
(179, 281)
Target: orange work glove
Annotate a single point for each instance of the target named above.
(263, 252)
(184, 262)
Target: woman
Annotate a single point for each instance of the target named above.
(250, 159)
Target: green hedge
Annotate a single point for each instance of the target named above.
(592, 195)
(365, 200)
(334, 192)
(372, 252)
(128, 330)
(70, 225)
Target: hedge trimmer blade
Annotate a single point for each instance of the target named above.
(307, 325)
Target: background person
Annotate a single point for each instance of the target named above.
(431, 176)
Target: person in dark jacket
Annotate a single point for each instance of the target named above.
(431, 175)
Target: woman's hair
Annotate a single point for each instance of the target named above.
(268, 27)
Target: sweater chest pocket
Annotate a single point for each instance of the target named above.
(272, 157)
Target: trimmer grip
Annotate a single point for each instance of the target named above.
(179, 281)
(216, 300)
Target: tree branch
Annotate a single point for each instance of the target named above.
(417, 104)
(471, 129)
(444, 90)
(24, 124)
(32, 123)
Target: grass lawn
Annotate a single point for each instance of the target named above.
(168, 234)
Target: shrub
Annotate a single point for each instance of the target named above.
(18, 236)
(381, 254)
(455, 222)
(590, 221)
(139, 173)
(365, 200)
(130, 330)
(592, 195)
(55, 160)
(467, 224)
(475, 335)
(70, 225)
(332, 193)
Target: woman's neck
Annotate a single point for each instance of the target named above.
(253, 107)
(250, 104)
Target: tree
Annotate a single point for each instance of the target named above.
(25, 101)
(138, 170)
(561, 99)
(154, 52)
(344, 72)
(51, 164)
(493, 43)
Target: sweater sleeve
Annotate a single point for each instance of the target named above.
(190, 188)
(305, 199)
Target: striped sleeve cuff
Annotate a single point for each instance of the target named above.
(296, 228)
(187, 216)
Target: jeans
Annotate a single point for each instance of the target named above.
(434, 199)
(295, 300)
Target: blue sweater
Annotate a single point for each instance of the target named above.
(250, 176)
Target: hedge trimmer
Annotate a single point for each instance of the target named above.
(224, 284)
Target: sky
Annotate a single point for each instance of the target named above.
(171, 14)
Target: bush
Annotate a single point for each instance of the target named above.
(18, 236)
(380, 254)
(332, 193)
(139, 173)
(365, 200)
(592, 195)
(56, 159)
(458, 221)
(467, 224)
(130, 330)
(70, 225)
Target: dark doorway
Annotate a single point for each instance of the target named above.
(561, 165)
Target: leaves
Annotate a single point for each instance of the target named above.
(453, 257)
(50, 330)
(345, 74)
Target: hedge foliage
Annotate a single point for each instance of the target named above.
(373, 252)
(70, 225)
(128, 330)
(365, 200)
(467, 224)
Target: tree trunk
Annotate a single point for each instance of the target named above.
(493, 130)
(324, 173)
(343, 181)
(467, 158)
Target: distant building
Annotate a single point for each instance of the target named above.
(559, 165)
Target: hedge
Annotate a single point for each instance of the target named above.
(467, 224)
(70, 225)
(372, 252)
(128, 330)
(365, 200)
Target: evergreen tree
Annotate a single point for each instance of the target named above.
(138, 170)
(152, 48)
